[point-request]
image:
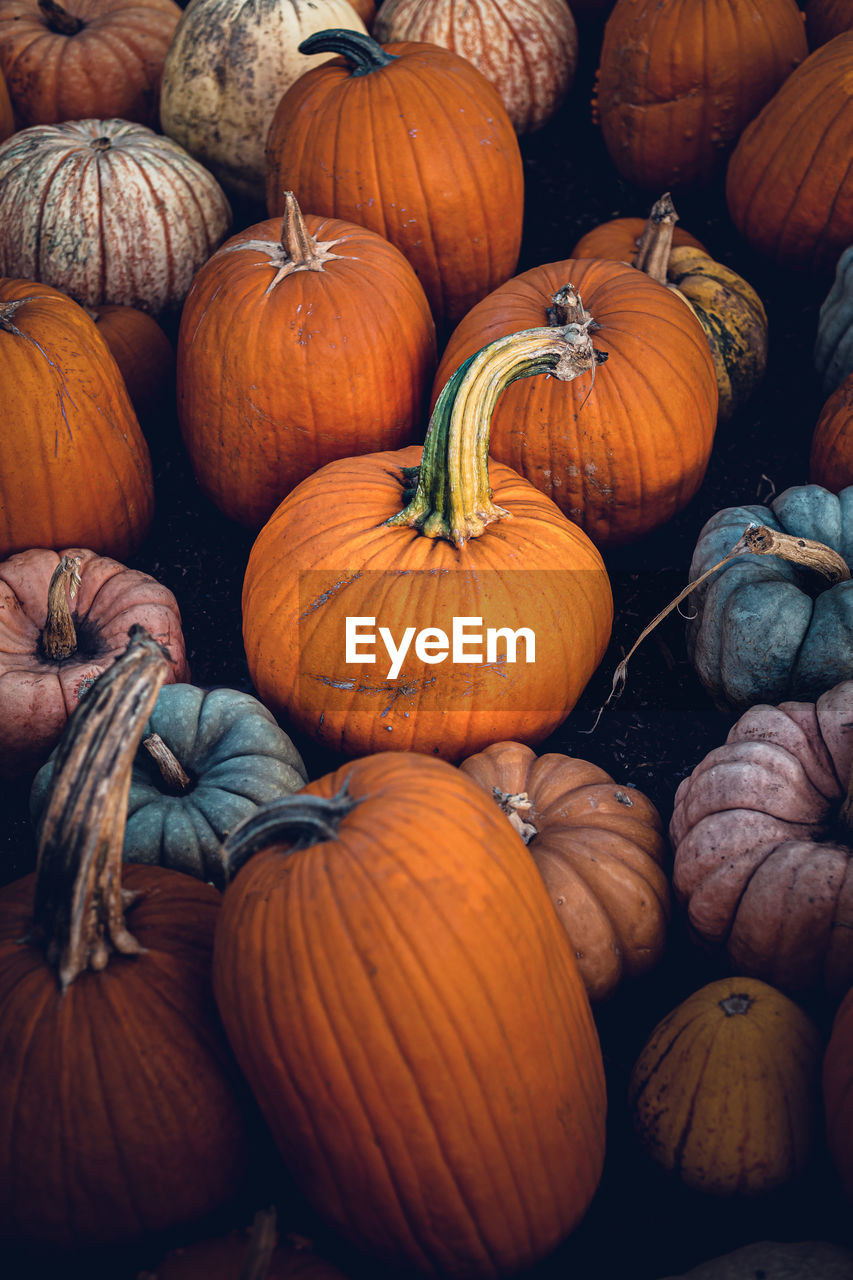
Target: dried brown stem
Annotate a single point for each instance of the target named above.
(59, 636)
(173, 773)
(655, 243)
(59, 20)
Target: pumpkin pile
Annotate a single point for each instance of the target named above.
(361, 416)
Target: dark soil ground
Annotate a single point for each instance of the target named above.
(641, 1223)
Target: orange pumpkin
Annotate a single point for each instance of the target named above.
(676, 86)
(143, 353)
(7, 120)
(85, 58)
(724, 1094)
(301, 341)
(119, 1111)
(74, 465)
(473, 543)
(412, 141)
(838, 1092)
(598, 847)
(826, 19)
(64, 617)
(528, 49)
(789, 184)
(620, 238)
(831, 461)
(366, 10)
(405, 1005)
(623, 454)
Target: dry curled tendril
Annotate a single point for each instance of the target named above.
(756, 539)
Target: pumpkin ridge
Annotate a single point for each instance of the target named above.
(639, 1088)
(793, 211)
(684, 1137)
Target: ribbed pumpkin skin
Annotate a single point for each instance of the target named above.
(618, 239)
(226, 69)
(422, 151)
(127, 1061)
(38, 695)
(724, 1092)
(831, 460)
(129, 222)
(74, 465)
(789, 184)
(762, 863)
(279, 374)
(599, 849)
(331, 527)
(631, 455)
(111, 67)
(143, 353)
(826, 19)
(838, 1092)
(761, 629)
(678, 81)
(833, 352)
(528, 49)
(407, 1010)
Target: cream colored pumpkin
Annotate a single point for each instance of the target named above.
(229, 64)
(108, 212)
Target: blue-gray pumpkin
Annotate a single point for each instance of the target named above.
(763, 629)
(833, 353)
(236, 757)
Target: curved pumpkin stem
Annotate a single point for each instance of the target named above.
(58, 19)
(296, 821)
(175, 777)
(59, 637)
(655, 243)
(365, 54)
(453, 497)
(78, 908)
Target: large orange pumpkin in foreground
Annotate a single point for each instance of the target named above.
(413, 548)
(621, 454)
(404, 1002)
(74, 465)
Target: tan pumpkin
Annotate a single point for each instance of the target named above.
(725, 1092)
(219, 95)
(301, 341)
(74, 465)
(130, 221)
(762, 835)
(831, 459)
(789, 184)
(598, 847)
(64, 618)
(85, 58)
(527, 48)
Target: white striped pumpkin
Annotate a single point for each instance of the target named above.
(527, 48)
(107, 211)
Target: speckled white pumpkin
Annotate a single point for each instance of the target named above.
(107, 211)
(527, 48)
(228, 65)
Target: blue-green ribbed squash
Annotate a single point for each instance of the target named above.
(237, 758)
(765, 630)
(833, 352)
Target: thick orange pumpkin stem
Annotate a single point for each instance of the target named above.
(655, 243)
(59, 637)
(78, 909)
(297, 822)
(58, 19)
(453, 499)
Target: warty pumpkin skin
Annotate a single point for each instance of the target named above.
(838, 1092)
(227, 67)
(130, 219)
(52, 649)
(300, 342)
(724, 1093)
(833, 351)
(412, 141)
(85, 58)
(831, 459)
(763, 846)
(74, 464)
(120, 1112)
(528, 49)
(405, 1005)
(678, 81)
(763, 629)
(474, 542)
(216, 757)
(599, 849)
(789, 183)
(621, 455)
